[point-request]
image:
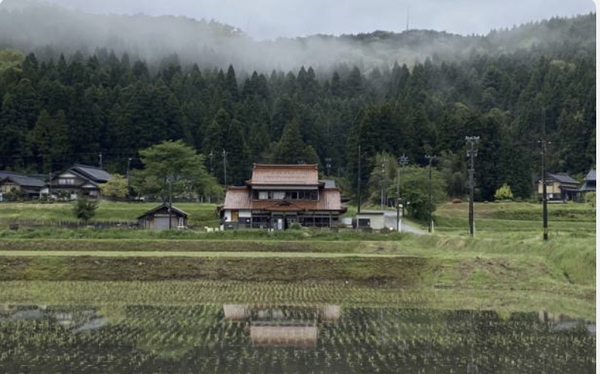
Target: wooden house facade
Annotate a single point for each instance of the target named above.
(279, 196)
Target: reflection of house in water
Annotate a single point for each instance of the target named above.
(283, 326)
(72, 319)
(561, 322)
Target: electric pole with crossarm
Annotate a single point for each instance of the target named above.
(471, 153)
(402, 162)
(430, 218)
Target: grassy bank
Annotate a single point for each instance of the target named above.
(574, 257)
(199, 214)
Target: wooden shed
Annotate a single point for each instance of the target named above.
(158, 218)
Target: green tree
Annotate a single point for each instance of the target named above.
(174, 166)
(416, 186)
(116, 187)
(85, 209)
(291, 148)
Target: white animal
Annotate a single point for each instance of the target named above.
(210, 229)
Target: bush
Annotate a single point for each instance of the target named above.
(295, 226)
(590, 198)
(504, 193)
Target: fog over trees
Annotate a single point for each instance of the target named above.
(74, 85)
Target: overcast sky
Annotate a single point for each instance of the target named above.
(268, 19)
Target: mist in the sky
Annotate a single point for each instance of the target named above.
(269, 19)
(246, 33)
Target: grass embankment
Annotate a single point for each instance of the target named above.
(199, 214)
(507, 266)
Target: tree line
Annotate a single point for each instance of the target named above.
(55, 113)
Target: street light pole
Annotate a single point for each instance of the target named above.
(471, 153)
(430, 158)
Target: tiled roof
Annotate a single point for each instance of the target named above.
(21, 180)
(306, 175)
(93, 173)
(563, 178)
(591, 176)
(239, 199)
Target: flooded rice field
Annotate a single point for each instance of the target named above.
(289, 339)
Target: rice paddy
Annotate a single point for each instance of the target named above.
(99, 300)
(275, 338)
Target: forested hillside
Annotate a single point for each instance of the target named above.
(59, 111)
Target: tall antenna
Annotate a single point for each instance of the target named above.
(407, 17)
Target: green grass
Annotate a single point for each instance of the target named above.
(200, 214)
(507, 264)
(575, 303)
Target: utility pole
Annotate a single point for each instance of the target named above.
(170, 181)
(359, 179)
(50, 185)
(128, 177)
(430, 218)
(402, 162)
(225, 168)
(471, 153)
(100, 159)
(328, 165)
(211, 156)
(544, 143)
(383, 183)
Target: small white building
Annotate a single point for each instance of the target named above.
(372, 219)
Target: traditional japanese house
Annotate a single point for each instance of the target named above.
(589, 183)
(79, 180)
(559, 186)
(278, 196)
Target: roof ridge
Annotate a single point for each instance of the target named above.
(303, 166)
(88, 166)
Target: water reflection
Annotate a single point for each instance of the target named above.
(283, 326)
(289, 339)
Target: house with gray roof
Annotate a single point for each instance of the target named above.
(589, 182)
(559, 187)
(15, 184)
(79, 180)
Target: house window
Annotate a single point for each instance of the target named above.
(66, 181)
(278, 195)
(263, 195)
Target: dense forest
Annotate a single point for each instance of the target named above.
(70, 109)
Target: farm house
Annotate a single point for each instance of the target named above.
(279, 196)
